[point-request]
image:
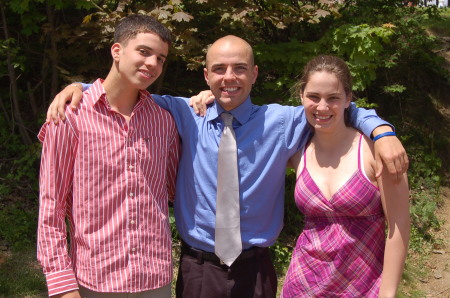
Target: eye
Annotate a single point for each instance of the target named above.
(161, 60)
(143, 52)
(314, 98)
(218, 70)
(240, 69)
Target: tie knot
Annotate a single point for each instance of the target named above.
(227, 119)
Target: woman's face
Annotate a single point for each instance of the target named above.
(325, 101)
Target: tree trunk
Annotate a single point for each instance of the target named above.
(13, 86)
(32, 99)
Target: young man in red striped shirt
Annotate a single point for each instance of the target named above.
(110, 170)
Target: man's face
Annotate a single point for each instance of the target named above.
(141, 59)
(230, 72)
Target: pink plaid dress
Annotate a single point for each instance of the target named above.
(340, 251)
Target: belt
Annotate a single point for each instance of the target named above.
(201, 255)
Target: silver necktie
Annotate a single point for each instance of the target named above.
(228, 243)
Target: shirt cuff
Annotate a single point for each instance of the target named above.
(61, 282)
(370, 124)
(85, 86)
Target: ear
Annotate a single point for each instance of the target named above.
(348, 100)
(116, 50)
(205, 74)
(255, 73)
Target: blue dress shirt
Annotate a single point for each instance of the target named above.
(267, 136)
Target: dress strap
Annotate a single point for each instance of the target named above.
(361, 159)
(304, 162)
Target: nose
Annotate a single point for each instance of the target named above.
(151, 60)
(323, 105)
(229, 74)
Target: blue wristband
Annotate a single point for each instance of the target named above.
(384, 134)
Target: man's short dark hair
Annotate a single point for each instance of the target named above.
(134, 24)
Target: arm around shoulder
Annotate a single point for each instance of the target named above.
(389, 151)
(73, 94)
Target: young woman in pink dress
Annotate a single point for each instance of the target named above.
(343, 250)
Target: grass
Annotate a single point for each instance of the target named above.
(414, 270)
(439, 26)
(20, 275)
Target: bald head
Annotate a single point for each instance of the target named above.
(230, 71)
(230, 44)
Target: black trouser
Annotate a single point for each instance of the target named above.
(201, 275)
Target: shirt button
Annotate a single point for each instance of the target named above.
(130, 167)
(131, 194)
(133, 249)
(132, 222)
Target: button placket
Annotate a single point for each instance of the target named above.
(132, 202)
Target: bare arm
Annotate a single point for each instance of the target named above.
(395, 200)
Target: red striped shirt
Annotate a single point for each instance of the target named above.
(112, 181)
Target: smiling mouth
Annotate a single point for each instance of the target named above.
(322, 117)
(229, 89)
(146, 74)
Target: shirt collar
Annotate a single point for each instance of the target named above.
(97, 92)
(241, 113)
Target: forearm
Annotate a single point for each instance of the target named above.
(394, 261)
